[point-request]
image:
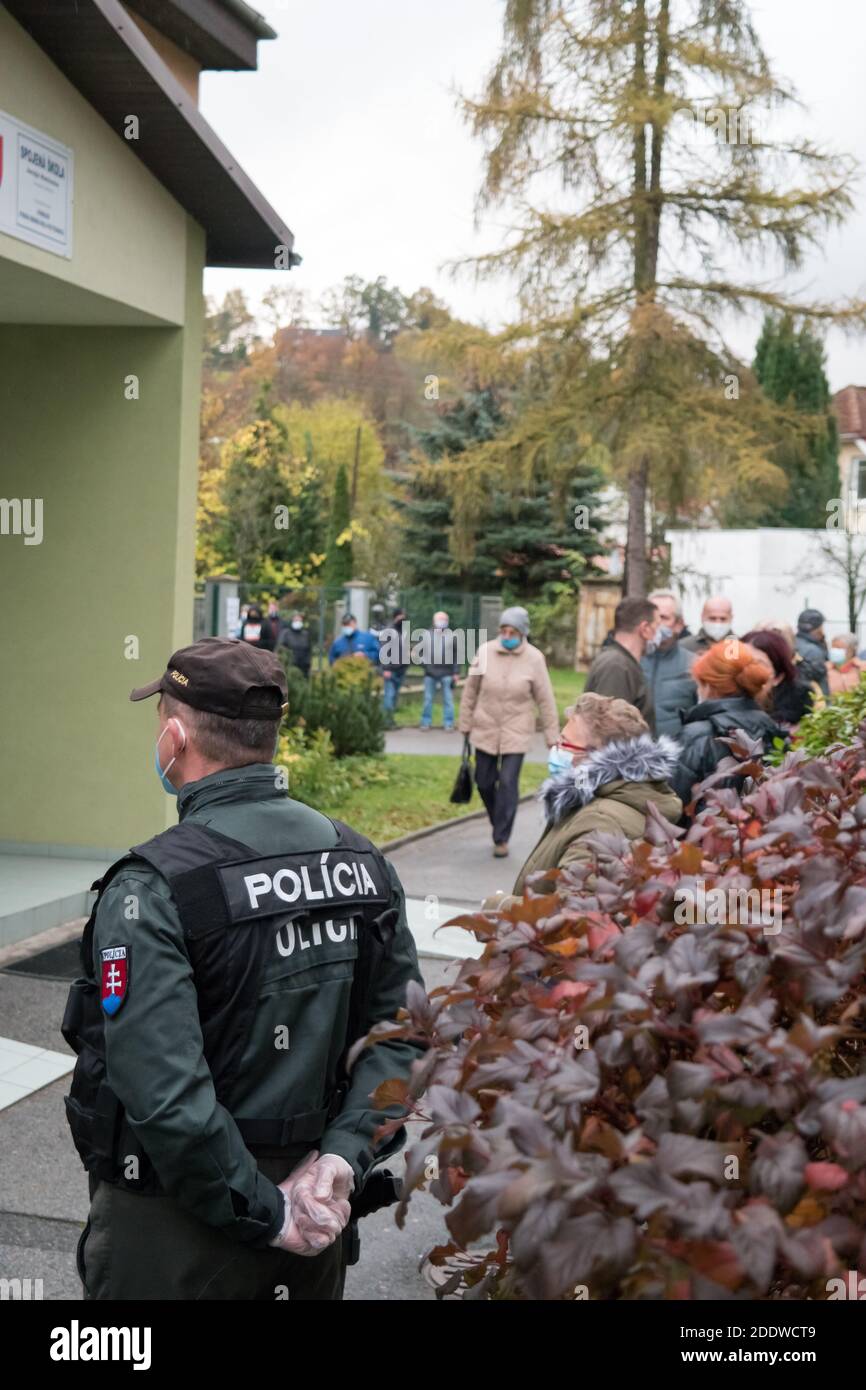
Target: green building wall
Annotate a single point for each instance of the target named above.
(115, 567)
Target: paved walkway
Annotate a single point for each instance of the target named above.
(450, 744)
(457, 864)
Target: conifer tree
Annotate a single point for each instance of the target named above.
(338, 559)
(789, 364)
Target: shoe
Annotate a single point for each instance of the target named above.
(500, 851)
(425, 726)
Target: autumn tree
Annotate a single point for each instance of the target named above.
(633, 142)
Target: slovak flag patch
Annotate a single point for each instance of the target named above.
(115, 977)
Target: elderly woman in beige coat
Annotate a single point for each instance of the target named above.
(507, 682)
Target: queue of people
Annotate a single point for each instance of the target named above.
(686, 691)
(698, 689)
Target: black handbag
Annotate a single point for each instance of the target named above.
(462, 791)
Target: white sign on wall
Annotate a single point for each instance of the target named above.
(35, 187)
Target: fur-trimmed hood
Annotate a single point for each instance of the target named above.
(640, 759)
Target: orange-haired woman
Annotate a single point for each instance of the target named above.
(730, 676)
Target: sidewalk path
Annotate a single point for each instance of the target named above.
(457, 865)
(450, 744)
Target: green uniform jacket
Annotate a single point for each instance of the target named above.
(154, 1058)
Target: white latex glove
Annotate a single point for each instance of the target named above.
(322, 1195)
(334, 1178)
(317, 1203)
(306, 1230)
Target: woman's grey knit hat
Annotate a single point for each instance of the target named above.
(516, 617)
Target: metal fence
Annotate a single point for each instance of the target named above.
(469, 612)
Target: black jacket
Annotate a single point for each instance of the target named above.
(298, 644)
(702, 729)
(443, 652)
(389, 647)
(258, 632)
(814, 658)
(791, 701)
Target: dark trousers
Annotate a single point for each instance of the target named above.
(497, 777)
(140, 1247)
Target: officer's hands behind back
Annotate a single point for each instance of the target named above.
(317, 1206)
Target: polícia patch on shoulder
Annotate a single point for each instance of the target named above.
(115, 978)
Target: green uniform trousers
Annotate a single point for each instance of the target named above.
(147, 1247)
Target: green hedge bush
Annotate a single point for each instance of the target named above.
(837, 723)
(345, 701)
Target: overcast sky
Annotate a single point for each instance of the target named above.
(351, 131)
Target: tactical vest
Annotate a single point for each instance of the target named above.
(227, 898)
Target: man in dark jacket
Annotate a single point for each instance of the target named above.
(667, 668)
(394, 668)
(812, 646)
(616, 669)
(222, 1144)
(296, 640)
(717, 616)
(442, 669)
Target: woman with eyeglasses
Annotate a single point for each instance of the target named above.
(606, 770)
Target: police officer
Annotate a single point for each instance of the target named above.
(228, 964)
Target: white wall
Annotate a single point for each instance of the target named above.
(767, 572)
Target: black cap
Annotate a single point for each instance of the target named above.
(224, 676)
(809, 619)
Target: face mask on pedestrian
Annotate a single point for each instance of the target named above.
(663, 634)
(441, 623)
(162, 772)
(509, 643)
(297, 624)
(838, 656)
(717, 630)
(558, 760)
(347, 629)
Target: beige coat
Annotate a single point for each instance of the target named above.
(500, 696)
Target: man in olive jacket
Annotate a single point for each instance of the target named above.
(233, 1209)
(616, 670)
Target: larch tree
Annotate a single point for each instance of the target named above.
(635, 144)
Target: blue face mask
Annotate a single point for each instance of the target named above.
(509, 643)
(559, 761)
(160, 772)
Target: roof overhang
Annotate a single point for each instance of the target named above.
(217, 33)
(103, 53)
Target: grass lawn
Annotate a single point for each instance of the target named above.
(401, 792)
(567, 685)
